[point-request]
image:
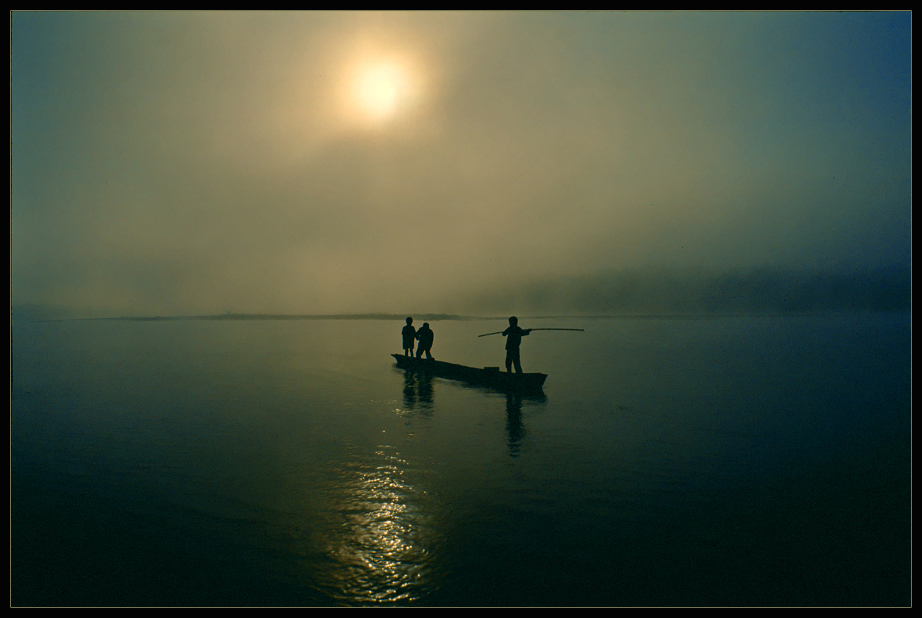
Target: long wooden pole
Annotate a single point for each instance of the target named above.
(500, 332)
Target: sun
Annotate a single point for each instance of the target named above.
(384, 85)
(379, 89)
(384, 89)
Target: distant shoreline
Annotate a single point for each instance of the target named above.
(433, 317)
(443, 317)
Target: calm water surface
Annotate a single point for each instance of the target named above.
(730, 461)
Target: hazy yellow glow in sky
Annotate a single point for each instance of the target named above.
(305, 162)
(381, 88)
(386, 85)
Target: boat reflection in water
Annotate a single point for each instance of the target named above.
(517, 388)
(417, 392)
(515, 429)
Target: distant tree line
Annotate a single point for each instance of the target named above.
(695, 292)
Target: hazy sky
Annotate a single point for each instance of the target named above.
(298, 162)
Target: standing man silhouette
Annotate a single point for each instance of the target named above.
(409, 338)
(426, 337)
(513, 336)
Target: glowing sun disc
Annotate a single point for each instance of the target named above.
(381, 89)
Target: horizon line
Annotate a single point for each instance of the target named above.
(444, 317)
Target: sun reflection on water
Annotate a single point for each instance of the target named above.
(378, 544)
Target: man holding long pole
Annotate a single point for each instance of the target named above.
(513, 336)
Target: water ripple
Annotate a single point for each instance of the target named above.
(378, 541)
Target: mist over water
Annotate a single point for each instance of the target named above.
(165, 163)
(706, 291)
(748, 460)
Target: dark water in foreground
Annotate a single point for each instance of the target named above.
(731, 461)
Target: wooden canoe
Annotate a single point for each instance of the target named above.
(491, 377)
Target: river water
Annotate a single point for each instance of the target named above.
(746, 460)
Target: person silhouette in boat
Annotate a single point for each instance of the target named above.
(409, 337)
(513, 336)
(425, 337)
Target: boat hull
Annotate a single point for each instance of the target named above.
(490, 377)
